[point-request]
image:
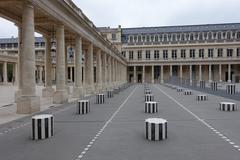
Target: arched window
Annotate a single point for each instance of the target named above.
(228, 35)
(148, 38)
(143, 38)
(219, 35)
(210, 36)
(174, 37)
(165, 37)
(139, 38)
(200, 36)
(191, 37)
(156, 38)
(135, 38)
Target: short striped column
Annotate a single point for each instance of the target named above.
(100, 98)
(156, 129)
(228, 106)
(148, 91)
(149, 97)
(83, 107)
(179, 89)
(151, 107)
(202, 84)
(201, 97)
(231, 88)
(187, 92)
(214, 86)
(110, 93)
(42, 126)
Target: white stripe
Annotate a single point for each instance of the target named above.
(43, 128)
(163, 131)
(149, 131)
(156, 132)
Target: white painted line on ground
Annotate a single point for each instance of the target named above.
(107, 123)
(198, 118)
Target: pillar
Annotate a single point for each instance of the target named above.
(152, 74)
(40, 74)
(220, 73)
(61, 95)
(143, 75)
(200, 72)
(170, 71)
(99, 70)
(181, 73)
(28, 102)
(89, 70)
(104, 70)
(210, 73)
(5, 77)
(78, 85)
(229, 73)
(134, 74)
(16, 74)
(190, 74)
(162, 79)
(48, 90)
(109, 72)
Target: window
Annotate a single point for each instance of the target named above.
(201, 53)
(183, 53)
(165, 54)
(148, 38)
(192, 53)
(131, 39)
(130, 55)
(174, 54)
(156, 54)
(210, 53)
(219, 35)
(238, 52)
(9, 45)
(156, 38)
(139, 55)
(238, 35)
(148, 56)
(220, 52)
(2, 46)
(191, 37)
(165, 38)
(229, 52)
(200, 36)
(139, 38)
(228, 35)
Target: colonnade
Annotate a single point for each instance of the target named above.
(189, 69)
(110, 71)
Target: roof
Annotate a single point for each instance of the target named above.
(15, 40)
(183, 28)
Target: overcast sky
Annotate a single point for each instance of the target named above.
(144, 13)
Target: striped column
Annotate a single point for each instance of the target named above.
(100, 98)
(187, 92)
(83, 107)
(149, 97)
(42, 126)
(228, 106)
(201, 97)
(110, 93)
(148, 91)
(231, 88)
(151, 107)
(156, 129)
(179, 89)
(213, 86)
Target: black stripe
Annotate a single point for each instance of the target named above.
(51, 126)
(46, 127)
(146, 129)
(82, 107)
(166, 130)
(33, 128)
(160, 131)
(152, 131)
(39, 129)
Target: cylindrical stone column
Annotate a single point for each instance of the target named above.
(61, 95)
(134, 74)
(99, 70)
(220, 73)
(152, 74)
(228, 106)
(162, 78)
(83, 107)
(143, 75)
(5, 75)
(28, 102)
(229, 73)
(155, 129)
(151, 107)
(210, 73)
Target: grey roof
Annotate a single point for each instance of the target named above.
(184, 28)
(15, 40)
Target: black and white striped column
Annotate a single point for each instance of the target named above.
(148, 91)
(187, 92)
(151, 107)
(156, 129)
(228, 106)
(110, 93)
(231, 88)
(202, 84)
(214, 86)
(149, 97)
(100, 98)
(42, 126)
(179, 89)
(201, 97)
(83, 107)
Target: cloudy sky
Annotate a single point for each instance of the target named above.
(144, 13)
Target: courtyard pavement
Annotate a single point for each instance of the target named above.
(115, 130)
